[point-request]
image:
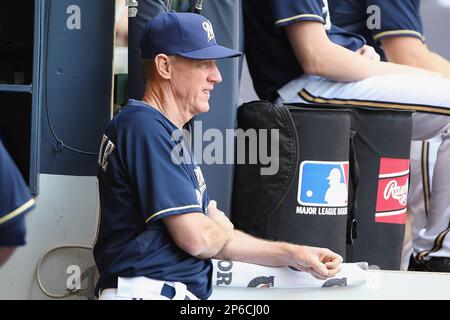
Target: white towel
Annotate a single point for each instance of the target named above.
(240, 274)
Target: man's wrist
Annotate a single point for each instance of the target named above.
(289, 252)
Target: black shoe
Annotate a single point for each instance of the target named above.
(438, 264)
(415, 265)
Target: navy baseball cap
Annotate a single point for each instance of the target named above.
(189, 35)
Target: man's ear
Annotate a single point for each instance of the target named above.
(163, 66)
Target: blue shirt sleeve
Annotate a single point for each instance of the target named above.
(290, 11)
(164, 187)
(351, 41)
(397, 18)
(15, 201)
(287, 12)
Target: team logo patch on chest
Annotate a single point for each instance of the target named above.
(201, 184)
(106, 148)
(326, 15)
(199, 176)
(392, 192)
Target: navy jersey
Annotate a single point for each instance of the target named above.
(396, 18)
(270, 58)
(15, 202)
(141, 181)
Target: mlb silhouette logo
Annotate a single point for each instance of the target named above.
(323, 183)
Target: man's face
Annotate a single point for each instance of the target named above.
(192, 83)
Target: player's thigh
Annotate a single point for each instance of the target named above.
(428, 125)
(417, 91)
(430, 95)
(412, 92)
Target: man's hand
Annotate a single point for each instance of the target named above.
(220, 218)
(321, 263)
(369, 52)
(200, 235)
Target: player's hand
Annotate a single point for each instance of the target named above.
(369, 52)
(220, 218)
(320, 262)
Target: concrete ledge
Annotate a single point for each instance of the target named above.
(381, 285)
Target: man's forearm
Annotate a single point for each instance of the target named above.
(215, 239)
(442, 65)
(357, 67)
(413, 52)
(320, 262)
(422, 59)
(198, 234)
(219, 233)
(319, 56)
(246, 248)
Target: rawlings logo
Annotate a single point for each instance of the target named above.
(393, 190)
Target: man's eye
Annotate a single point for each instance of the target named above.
(204, 64)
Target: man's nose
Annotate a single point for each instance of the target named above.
(215, 75)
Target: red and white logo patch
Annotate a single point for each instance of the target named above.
(392, 191)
